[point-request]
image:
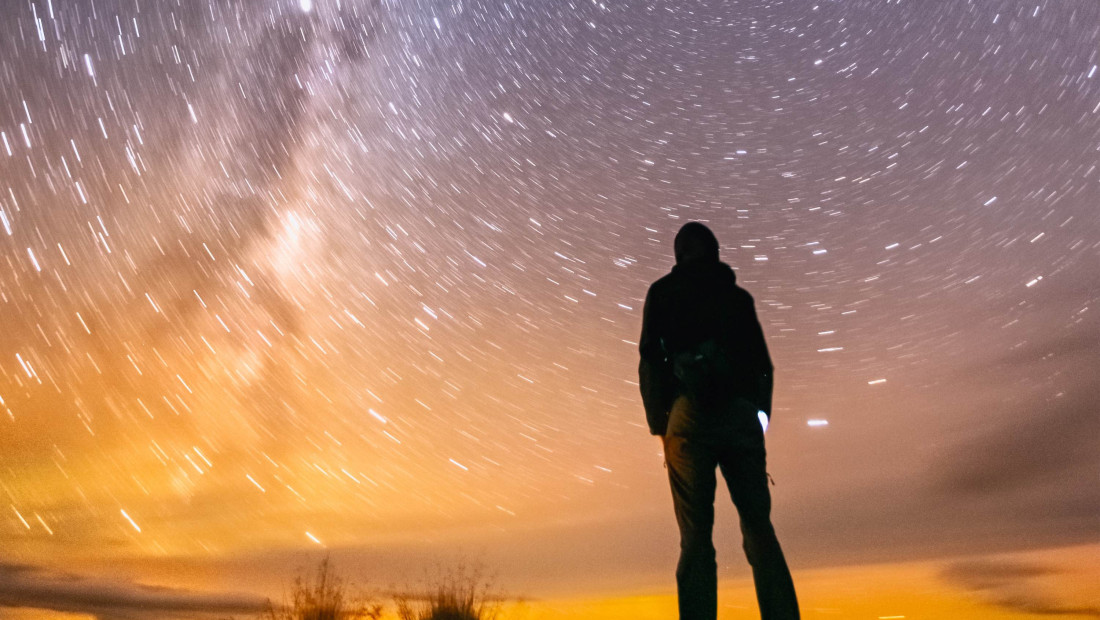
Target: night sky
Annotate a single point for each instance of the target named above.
(367, 275)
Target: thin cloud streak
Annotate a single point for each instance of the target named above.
(1011, 585)
(23, 585)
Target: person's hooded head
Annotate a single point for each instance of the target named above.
(695, 243)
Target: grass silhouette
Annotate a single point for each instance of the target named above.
(459, 594)
(326, 597)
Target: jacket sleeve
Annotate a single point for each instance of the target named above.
(762, 361)
(655, 376)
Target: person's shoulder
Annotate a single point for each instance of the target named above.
(666, 279)
(662, 283)
(740, 294)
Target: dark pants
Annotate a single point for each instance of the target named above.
(726, 436)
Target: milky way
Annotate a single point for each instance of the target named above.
(286, 273)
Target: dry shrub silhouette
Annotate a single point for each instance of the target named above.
(326, 597)
(460, 594)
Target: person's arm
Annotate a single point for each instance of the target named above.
(762, 362)
(765, 386)
(654, 371)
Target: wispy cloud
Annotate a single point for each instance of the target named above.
(38, 588)
(1039, 450)
(1013, 586)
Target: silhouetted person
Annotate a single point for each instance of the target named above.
(705, 372)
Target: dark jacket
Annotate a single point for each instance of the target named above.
(698, 301)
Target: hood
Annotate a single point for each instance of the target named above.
(695, 242)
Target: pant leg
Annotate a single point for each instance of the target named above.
(691, 465)
(743, 465)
